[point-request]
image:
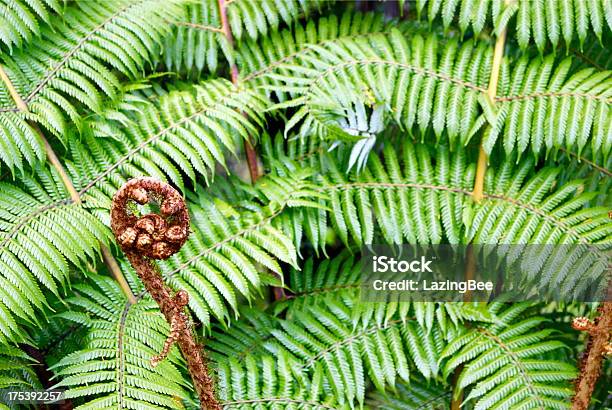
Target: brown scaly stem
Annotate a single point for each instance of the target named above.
(251, 154)
(598, 347)
(109, 260)
(155, 236)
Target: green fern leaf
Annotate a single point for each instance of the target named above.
(37, 248)
(113, 368)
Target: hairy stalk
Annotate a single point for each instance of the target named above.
(597, 348)
(109, 260)
(481, 166)
(249, 150)
(155, 236)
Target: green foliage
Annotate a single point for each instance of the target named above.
(223, 259)
(114, 362)
(185, 132)
(415, 83)
(42, 234)
(368, 127)
(538, 21)
(19, 19)
(72, 65)
(263, 56)
(411, 396)
(16, 370)
(545, 107)
(195, 43)
(271, 382)
(416, 197)
(508, 364)
(18, 140)
(408, 197)
(254, 19)
(355, 85)
(328, 334)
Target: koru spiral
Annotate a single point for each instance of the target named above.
(159, 236)
(152, 235)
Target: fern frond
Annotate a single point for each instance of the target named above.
(417, 200)
(321, 339)
(113, 369)
(507, 366)
(342, 278)
(272, 382)
(194, 44)
(75, 63)
(334, 333)
(539, 212)
(538, 21)
(197, 41)
(19, 143)
(416, 395)
(257, 19)
(409, 198)
(546, 108)
(416, 85)
(417, 197)
(20, 19)
(186, 132)
(223, 258)
(256, 58)
(245, 337)
(344, 94)
(596, 178)
(324, 284)
(16, 369)
(41, 235)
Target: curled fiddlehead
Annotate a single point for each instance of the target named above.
(152, 235)
(159, 236)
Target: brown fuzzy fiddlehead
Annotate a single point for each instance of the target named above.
(159, 236)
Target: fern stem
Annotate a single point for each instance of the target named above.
(481, 166)
(590, 366)
(12, 91)
(592, 164)
(249, 150)
(481, 169)
(107, 256)
(155, 236)
(197, 26)
(283, 400)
